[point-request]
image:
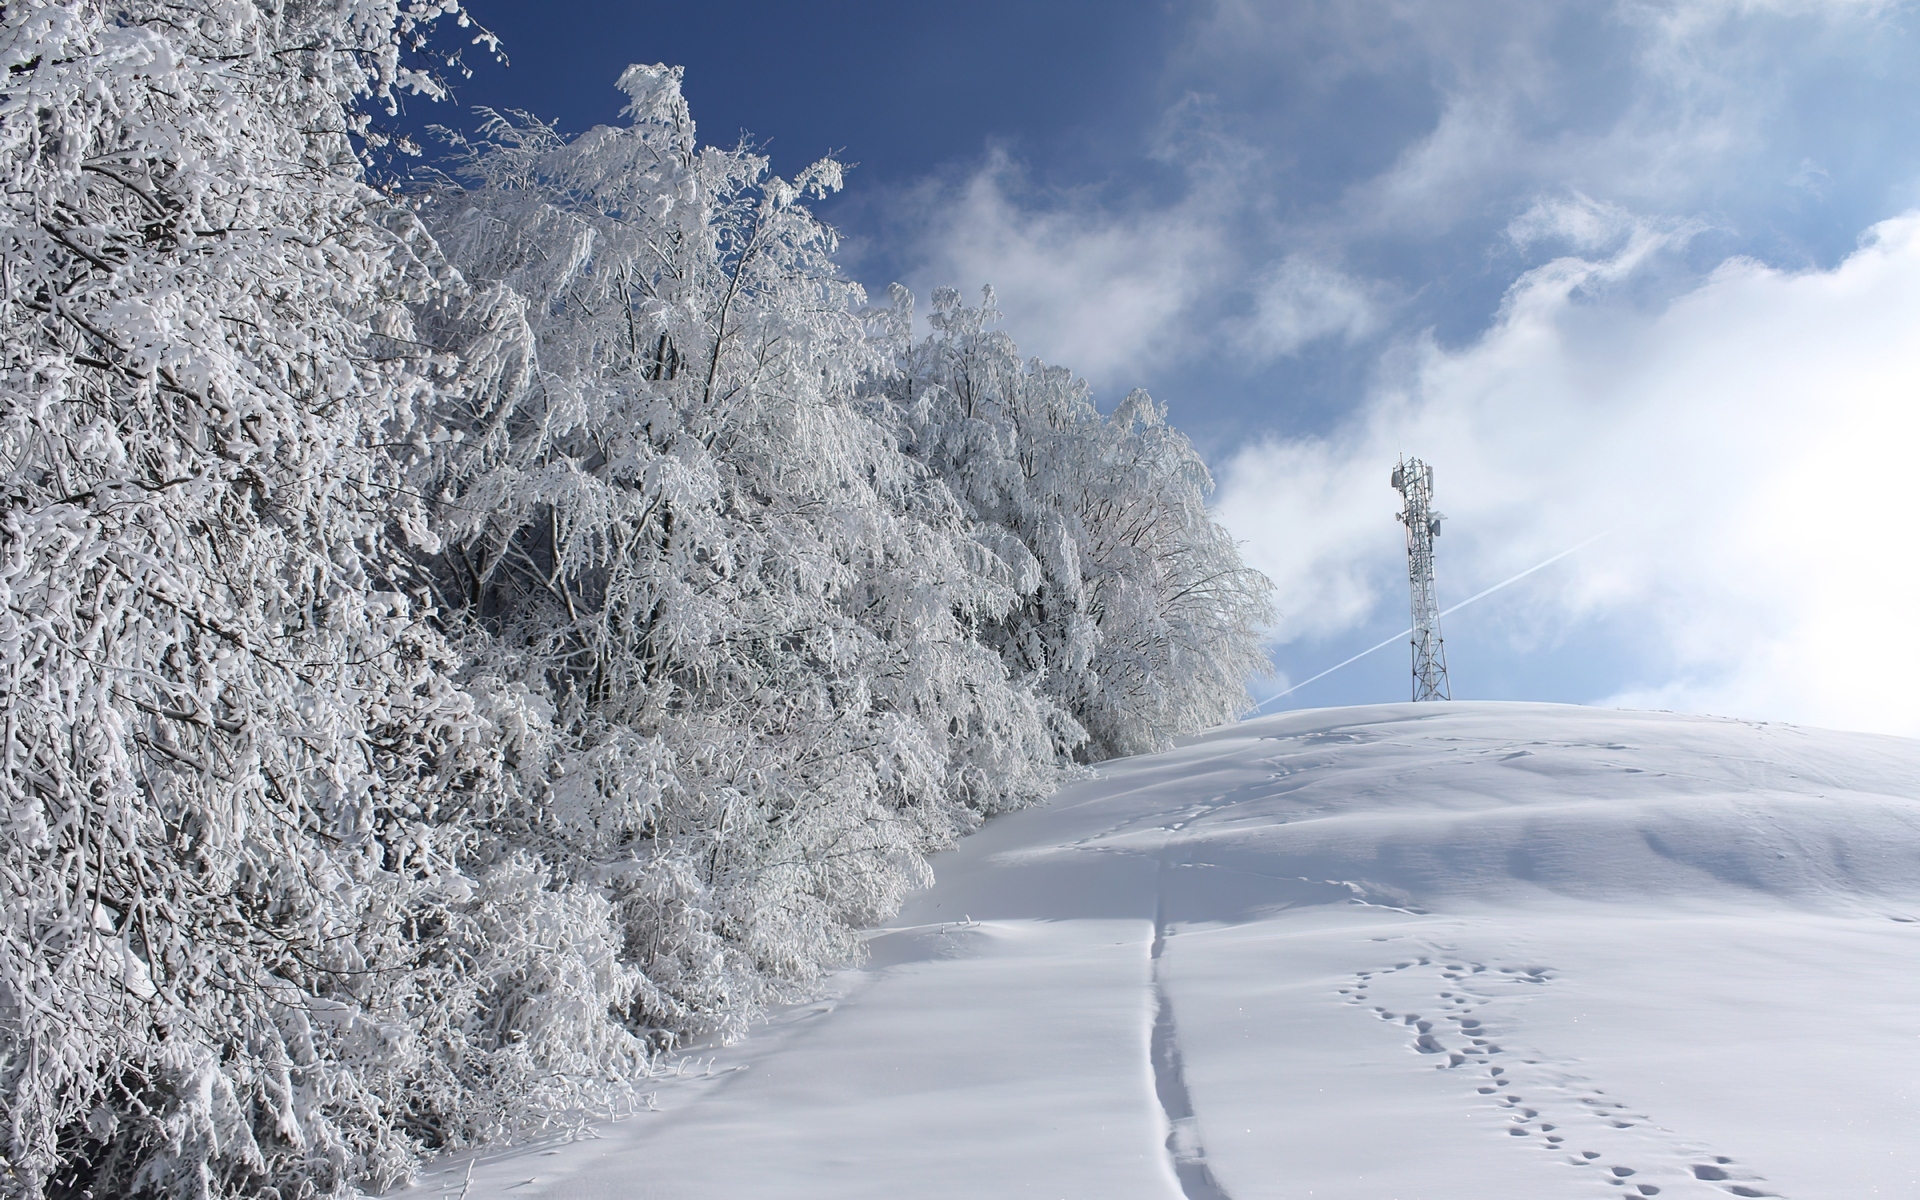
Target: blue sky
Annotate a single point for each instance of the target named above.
(1643, 268)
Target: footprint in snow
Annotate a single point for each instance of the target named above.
(1551, 1106)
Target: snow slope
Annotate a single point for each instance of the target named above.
(1440, 952)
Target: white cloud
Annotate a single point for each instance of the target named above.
(1740, 432)
(1500, 102)
(1117, 295)
(1578, 221)
(1473, 151)
(1298, 301)
(1108, 295)
(1751, 445)
(1688, 116)
(1311, 516)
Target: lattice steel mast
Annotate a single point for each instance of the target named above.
(1414, 481)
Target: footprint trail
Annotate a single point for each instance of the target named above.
(1453, 1010)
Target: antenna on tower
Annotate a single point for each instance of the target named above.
(1413, 479)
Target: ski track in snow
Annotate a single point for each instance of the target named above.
(1186, 1148)
(1545, 1104)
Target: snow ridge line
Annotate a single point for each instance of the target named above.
(1186, 1151)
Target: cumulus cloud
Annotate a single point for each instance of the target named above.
(1749, 445)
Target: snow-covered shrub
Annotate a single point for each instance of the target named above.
(754, 618)
(1136, 614)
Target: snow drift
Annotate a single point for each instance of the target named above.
(1417, 952)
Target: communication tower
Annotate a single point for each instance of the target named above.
(1413, 479)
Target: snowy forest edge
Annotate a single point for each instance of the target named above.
(462, 639)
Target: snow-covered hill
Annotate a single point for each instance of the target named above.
(1445, 952)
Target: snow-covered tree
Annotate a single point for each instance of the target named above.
(454, 644)
(752, 619)
(1137, 615)
(234, 760)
